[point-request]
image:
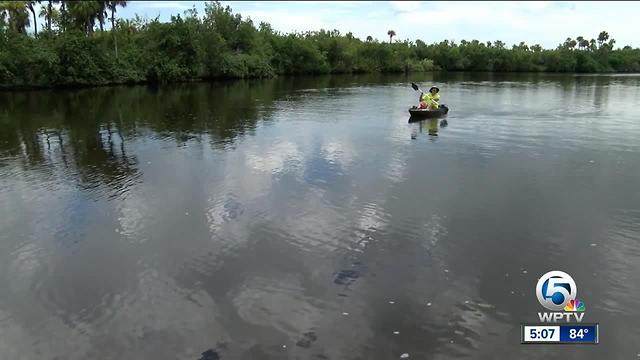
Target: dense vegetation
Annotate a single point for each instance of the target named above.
(73, 48)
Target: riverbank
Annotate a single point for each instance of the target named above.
(222, 45)
(216, 80)
(328, 79)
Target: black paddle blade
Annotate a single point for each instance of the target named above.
(414, 86)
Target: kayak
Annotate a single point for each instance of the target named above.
(424, 113)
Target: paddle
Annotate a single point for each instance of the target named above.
(416, 88)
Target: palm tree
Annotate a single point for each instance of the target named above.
(63, 15)
(570, 43)
(101, 6)
(113, 6)
(584, 44)
(369, 38)
(391, 34)
(580, 39)
(18, 17)
(602, 38)
(48, 11)
(567, 43)
(35, 18)
(84, 13)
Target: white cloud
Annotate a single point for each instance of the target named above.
(544, 22)
(405, 6)
(325, 4)
(282, 20)
(178, 5)
(274, 159)
(534, 5)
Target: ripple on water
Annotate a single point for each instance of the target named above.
(281, 156)
(317, 228)
(305, 215)
(620, 259)
(279, 304)
(134, 215)
(27, 268)
(339, 152)
(370, 222)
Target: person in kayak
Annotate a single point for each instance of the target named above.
(430, 100)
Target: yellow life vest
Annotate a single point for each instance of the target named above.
(432, 100)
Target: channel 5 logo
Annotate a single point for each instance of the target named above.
(556, 291)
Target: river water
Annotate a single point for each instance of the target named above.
(306, 218)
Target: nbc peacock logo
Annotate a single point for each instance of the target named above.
(574, 305)
(556, 291)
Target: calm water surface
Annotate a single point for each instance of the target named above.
(307, 219)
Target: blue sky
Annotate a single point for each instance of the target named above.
(545, 22)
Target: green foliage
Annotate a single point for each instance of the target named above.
(293, 54)
(15, 15)
(175, 49)
(70, 49)
(81, 61)
(424, 65)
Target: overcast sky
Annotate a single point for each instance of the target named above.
(544, 22)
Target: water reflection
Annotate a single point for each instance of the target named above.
(295, 217)
(429, 126)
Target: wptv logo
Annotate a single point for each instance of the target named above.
(556, 291)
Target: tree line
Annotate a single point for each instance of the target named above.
(73, 47)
